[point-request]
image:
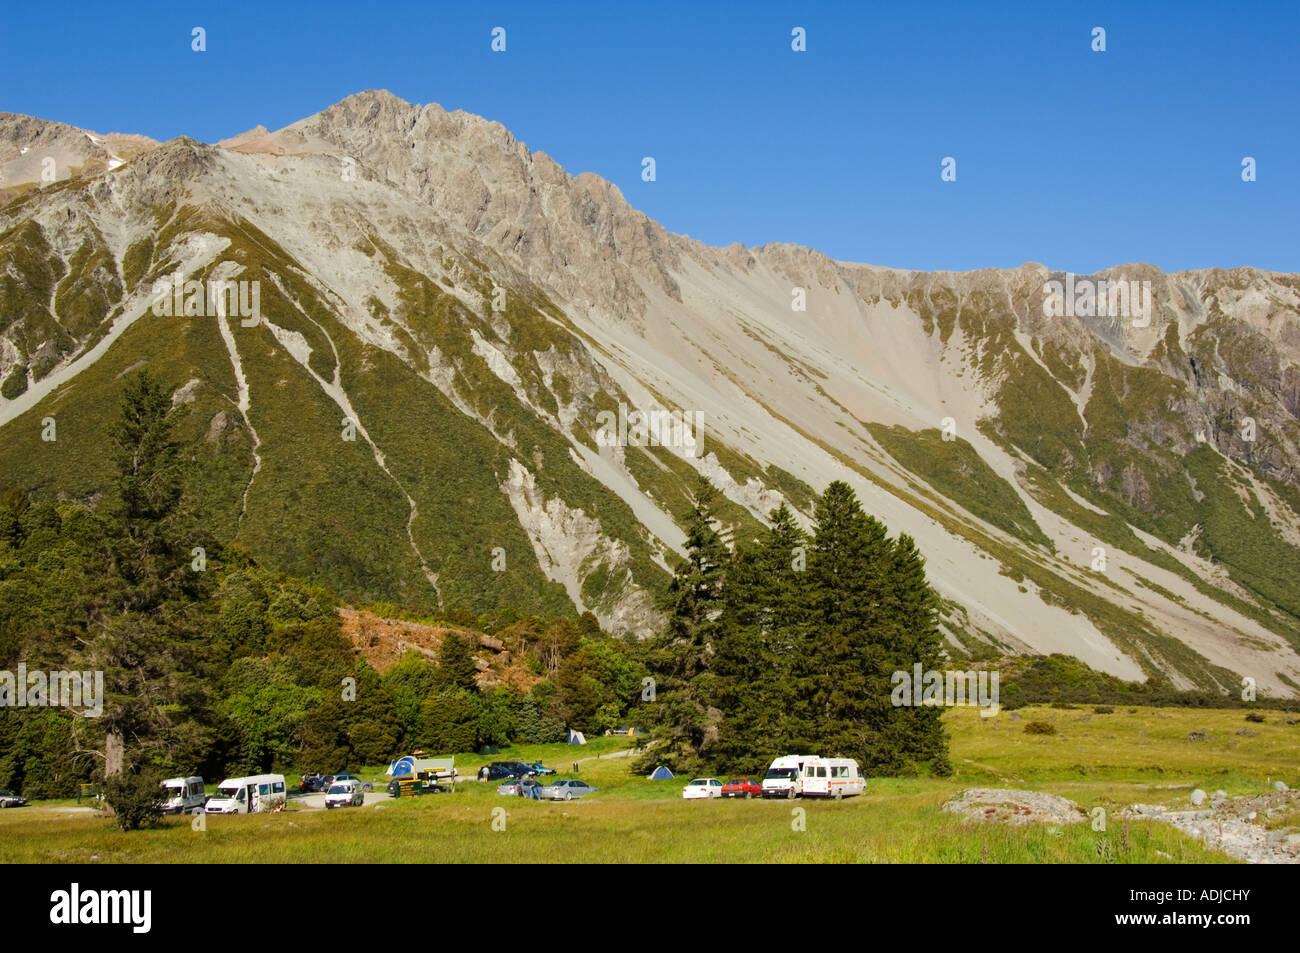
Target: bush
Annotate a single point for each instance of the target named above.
(15, 385)
(1039, 728)
(136, 799)
(1103, 710)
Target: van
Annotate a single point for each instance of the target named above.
(784, 777)
(832, 777)
(345, 793)
(257, 794)
(183, 796)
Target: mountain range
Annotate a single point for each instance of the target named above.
(447, 321)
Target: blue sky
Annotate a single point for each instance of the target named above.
(1076, 159)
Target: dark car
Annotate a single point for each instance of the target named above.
(10, 799)
(310, 783)
(410, 786)
(502, 770)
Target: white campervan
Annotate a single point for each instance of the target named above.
(832, 777)
(257, 794)
(784, 777)
(183, 796)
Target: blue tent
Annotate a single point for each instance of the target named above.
(661, 774)
(576, 737)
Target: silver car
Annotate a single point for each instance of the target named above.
(566, 789)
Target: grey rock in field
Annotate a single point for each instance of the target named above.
(1280, 786)
(1200, 734)
(1014, 807)
(1198, 797)
(1146, 810)
(1226, 826)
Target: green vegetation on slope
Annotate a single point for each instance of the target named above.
(957, 471)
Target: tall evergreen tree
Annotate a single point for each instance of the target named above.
(762, 634)
(456, 668)
(144, 630)
(849, 558)
(682, 719)
(915, 733)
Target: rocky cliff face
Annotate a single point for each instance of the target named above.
(1120, 487)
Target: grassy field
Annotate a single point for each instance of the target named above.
(1107, 760)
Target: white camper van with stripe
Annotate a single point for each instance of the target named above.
(832, 777)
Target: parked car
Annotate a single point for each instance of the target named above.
(539, 769)
(703, 788)
(345, 776)
(500, 770)
(566, 789)
(345, 793)
(522, 787)
(10, 799)
(410, 786)
(742, 787)
(309, 783)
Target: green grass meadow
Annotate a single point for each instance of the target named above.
(1106, 760)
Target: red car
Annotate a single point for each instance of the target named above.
(742, 787)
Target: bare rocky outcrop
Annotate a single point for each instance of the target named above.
(1014, 807)
(1238, 826)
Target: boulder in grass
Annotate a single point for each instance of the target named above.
(1014, 807)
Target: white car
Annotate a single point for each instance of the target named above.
(345, 794)
(703, 787)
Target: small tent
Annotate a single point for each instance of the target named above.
(576, 738)
(660, 774)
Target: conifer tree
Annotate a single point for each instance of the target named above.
(762, 634)
(144, 627)
(456, 668)
(682, 718)
(915, 733)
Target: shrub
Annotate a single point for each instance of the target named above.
(1039, 728)
(135, 799)
(1103, 710)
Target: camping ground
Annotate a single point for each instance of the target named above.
(1107, 760)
